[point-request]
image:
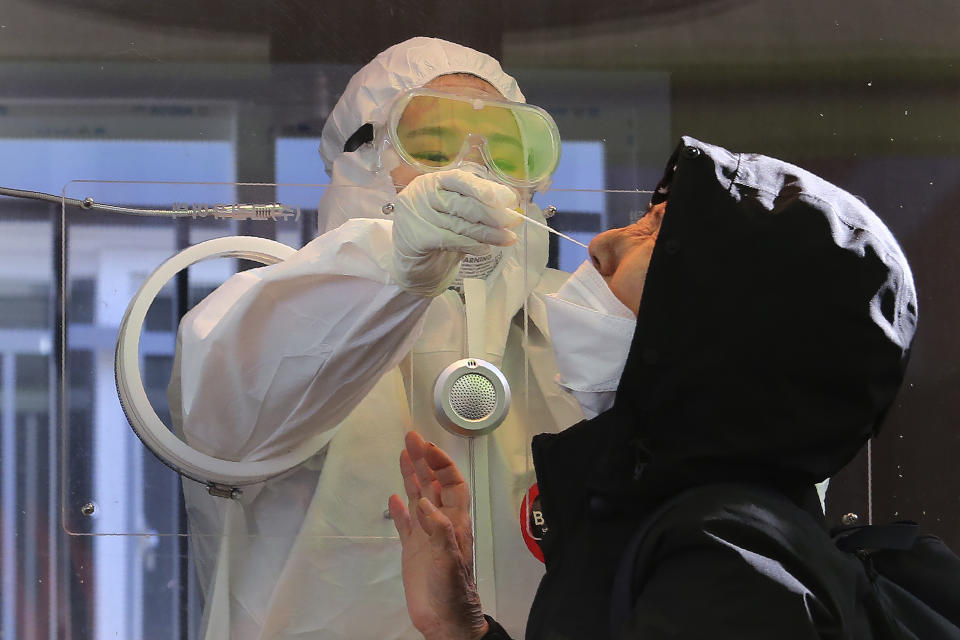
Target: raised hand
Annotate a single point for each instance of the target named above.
(437, 544)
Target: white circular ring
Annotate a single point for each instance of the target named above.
(144, 420)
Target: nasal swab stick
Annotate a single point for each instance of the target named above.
(554, 231)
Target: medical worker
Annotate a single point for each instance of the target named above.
(431, 153)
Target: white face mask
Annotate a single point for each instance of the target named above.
(591, 332)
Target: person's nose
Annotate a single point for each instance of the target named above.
(602, 252)
(474, 153)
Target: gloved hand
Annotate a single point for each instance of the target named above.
(438, 218)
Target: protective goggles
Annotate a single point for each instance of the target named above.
(432, 131)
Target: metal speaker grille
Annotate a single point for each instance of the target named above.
(473, 397)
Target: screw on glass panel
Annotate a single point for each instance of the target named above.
(87, 203)
(388, 208)
(221, 491)
(88, 509)
(850, 519)
(549, 212)
(386, 515)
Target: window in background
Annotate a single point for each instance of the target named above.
(581, 213)
(43, 147)
(49, 164)
(298, 162)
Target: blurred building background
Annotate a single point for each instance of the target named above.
(863, 92)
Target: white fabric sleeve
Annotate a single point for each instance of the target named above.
(285, 352)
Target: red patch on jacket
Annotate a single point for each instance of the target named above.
(532, 523)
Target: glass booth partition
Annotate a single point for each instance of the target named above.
(285, 401)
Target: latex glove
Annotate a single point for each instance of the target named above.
(437, 555)
(441, 216)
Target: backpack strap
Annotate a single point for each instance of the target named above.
(897, 535)
(623, 595)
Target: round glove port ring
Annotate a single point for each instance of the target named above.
(218, 474)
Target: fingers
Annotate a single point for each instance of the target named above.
(414, 443)
(441, 464)
(478, 232)
(457, 212)
(476, 208)
(437, 526)
(400, 516)
(457, 215)
(411, 483)
(432, 473)
(429, 487)
(475, 239)
(473, 209)
(454, 491)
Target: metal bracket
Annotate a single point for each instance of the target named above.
(223, 491)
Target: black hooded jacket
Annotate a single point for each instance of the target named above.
(773, 334)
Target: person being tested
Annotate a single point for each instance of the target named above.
(774, 317)
(431, 152)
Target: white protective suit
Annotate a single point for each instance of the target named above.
(326, 346)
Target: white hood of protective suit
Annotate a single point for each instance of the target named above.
(367, 99)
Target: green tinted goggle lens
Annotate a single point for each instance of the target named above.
(517, 141)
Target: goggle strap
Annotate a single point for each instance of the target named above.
(360, 137)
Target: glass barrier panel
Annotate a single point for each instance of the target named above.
(111, 483)
(28, 471)
(262, 373)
